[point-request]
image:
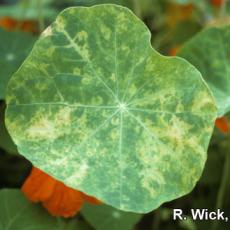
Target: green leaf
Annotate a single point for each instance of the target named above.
(194, 2)
(183, 2)
(28, 10)
(6, 142)
(105, 113)
(97, 2)
(16, 212)
(14, 47)
(103, 217)
(209, 51)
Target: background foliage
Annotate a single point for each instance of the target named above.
(172, 23)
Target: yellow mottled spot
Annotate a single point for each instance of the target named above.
(43, 66)
(202, 102)
(98, 100)
(10, 98)
(115, 120)
(151, 173)
(125, 48)
(46, 126)
(177, 129)
(81, 36)
(77, 71)
(80, 174)
(193, 142)
(63, 117)
(180, 108)
(86, 80)
(150, 66)
(60, 24)
(122, 21)
(113, 77)
(149, 176)
(47, 32)
(105, 31)
(42, 128)
(84, 51)
(41, 86)
(114, 135)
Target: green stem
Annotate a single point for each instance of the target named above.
(40, 16)
(223, 186)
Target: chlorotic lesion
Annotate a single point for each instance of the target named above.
(81, 36)
(42, 128)
(106, 31)
(47, 32)
(49, 127)
(202, 102)
(80, 171)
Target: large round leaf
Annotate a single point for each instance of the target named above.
(96, 107)
(209, 51)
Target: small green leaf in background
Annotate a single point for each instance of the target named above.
(184, 2)
(209, 51)
(29, 10)
(96, 107)
(14, 47)
(103, 217)
(17, 213)
(199, 3)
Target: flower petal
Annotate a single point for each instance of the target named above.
(91, 199)
(222, 124)
(64, 202)
(39, 186)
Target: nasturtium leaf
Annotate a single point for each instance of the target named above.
(97, 2)
(209, 51)
(14, 47)
(6, 142)
(104, 217)
(16, 212)
(95, 106)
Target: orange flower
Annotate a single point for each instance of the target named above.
(217, 3)
(55, 196)
(11, 24)
(173, 51)
(222, 124)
